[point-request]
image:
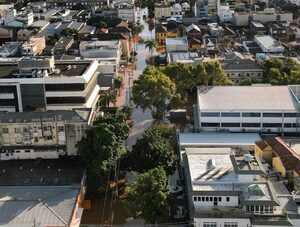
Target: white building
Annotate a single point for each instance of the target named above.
(232, 188)
(46, 135)
(162, 11)
(176, 11)
(261, 108)
(268, 44)
(126, 11)
(225, 14)
(176, 45)
(42, 83)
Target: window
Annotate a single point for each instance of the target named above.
(203, 199)
(27, 151)
(251, 125)
(210, 114)
(230, 224)
(47, 128)
(227, 199)
(195, 198)
(230, 114)
(206, 199)
(209, 224)
(250, 114)
(290, 114)
(220, 199)
(233, 125)
(272, 125)
(61, 128)
(17, 130)
(210, 124)
(5, 130)
(48, 137)
(210, 199)
(272, 114)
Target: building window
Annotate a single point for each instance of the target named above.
(250, 114)
(210, 124)
(220, 199)
(272, 114)
(232, 125)
(195, 198)
(272, 125)
(27, 151)
(230, 114)
(209, 224)
(210, 114)
(48, 137)
(18, 130)
(251, 125)
(61, 128)
(207, 199)
(210, 199)
(227, 199)
(203, 199)
(230, 224)
(290, 114)
(5, 130)
(47, 128)
(17, 151)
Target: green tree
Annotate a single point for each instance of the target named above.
(69, 32)
(102, 148)
(149, 194)
(150, 44)
(182, 30)
(102, 24)
(155, 91)
(106, 98)
(153, 150)
(137, 29)
(214, 73)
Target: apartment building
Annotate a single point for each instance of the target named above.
(267, 15)
(233, 188)
(68, 4)
(42, 83)
(257, 108)
(126, 11)
(34, 46)
(162, 11)
(46, 135)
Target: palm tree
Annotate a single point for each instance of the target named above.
(150, 44)
(106, 98)
(182, 30)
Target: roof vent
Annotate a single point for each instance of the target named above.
(211, 164)
(248, 158)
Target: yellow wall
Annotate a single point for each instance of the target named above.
(161, 37)
(266, 154)
(277, 164)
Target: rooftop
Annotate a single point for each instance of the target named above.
(267, 41)
(223, 139)
(52, 172)
(247, 98)
(241, 64)
(176, 41)
(80, 115)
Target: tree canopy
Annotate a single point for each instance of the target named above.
(102, 148)
(153, 150)
(155, 91)
(150, 44)
(106, 98)
(149, 194)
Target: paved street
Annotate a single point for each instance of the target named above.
(142, 120)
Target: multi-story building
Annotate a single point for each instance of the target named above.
(68, 4)
(257, 108)
(42, 83)
(162, 11)
(230, 187)
(34, 46)
(243, 69)
(224, 12)
(177, 45)
(46, 135)
(176, 11)
(126, 11)
(162, 33)
(201, 8)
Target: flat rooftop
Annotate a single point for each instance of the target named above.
(54, 172)
(11, 70)
(247, 98)
(80, 115)
(176, 41)
(216, 139)
(267, 41)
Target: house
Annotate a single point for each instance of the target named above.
(34, 46)
(243, 69)
(84, 16)
(5, 34)
(268, 44)
(193, 31)
(126, 11)
(122, 27)
(25, 34)
(201, 8)
(216, 30)
(279, 31)
(176, 45)
(225, 14)
(176, 11)
(257, 28)
(183, 57)
(256, 108)
(162, 33)
(69, 4)
(185, 7)
(86, 32)
(41, 83)
(46, 135)
(107, 50)
(42, 192)
(194, 44)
